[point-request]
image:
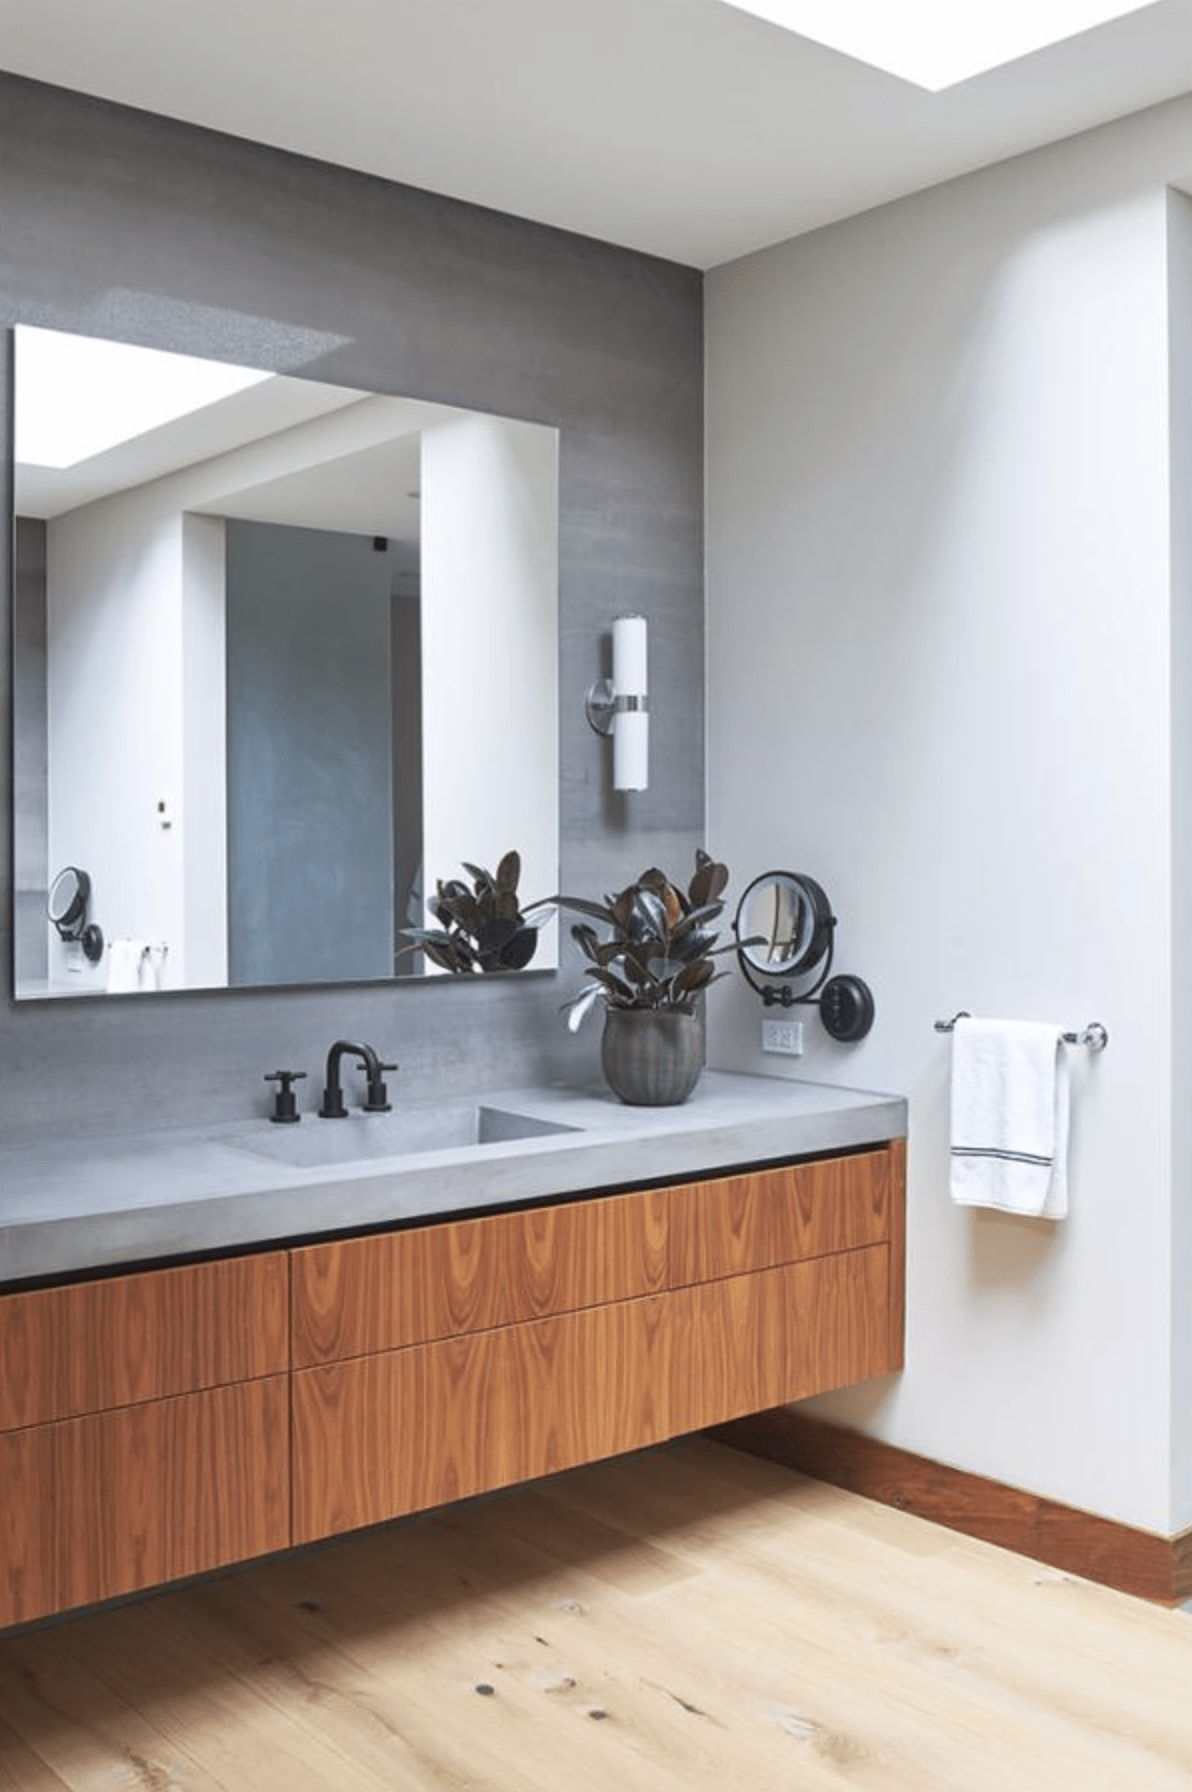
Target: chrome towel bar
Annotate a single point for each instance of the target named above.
(1095, 1036)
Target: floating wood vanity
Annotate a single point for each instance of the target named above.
(173, 1420)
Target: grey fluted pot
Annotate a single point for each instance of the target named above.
(652, 1057)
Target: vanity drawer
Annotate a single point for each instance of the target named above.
(788, 1214)
(103, 1505)
(458, 1277)
(750, 1342)
(91, 1346)
(413, 1428)
(403, 1430)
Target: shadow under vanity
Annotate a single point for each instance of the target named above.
(344, 1344)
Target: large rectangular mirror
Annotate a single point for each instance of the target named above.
(285, 654)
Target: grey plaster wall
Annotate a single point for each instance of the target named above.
(119, 223)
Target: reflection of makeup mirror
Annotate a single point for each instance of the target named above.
(786, 934)
(66, 908)
(258, 626)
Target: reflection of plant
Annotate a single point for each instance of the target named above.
(483, 928)
(660, 944)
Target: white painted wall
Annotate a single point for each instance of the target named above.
(204, 843)
(115, 702)
(490, 644)
(940, 652)
(1179, 226)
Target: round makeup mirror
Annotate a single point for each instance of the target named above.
(66, 907)
(785, 922)
(785, 932)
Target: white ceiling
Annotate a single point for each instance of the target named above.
(682, 127)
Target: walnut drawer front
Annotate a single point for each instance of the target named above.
(402, 1430)
(115, 1501)
(397, 1432)
(457, 1277)
(91, 1346)
(755, 1341)
(762, 1218)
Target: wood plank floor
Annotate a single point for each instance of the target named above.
(682, 1620)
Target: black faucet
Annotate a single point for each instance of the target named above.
(377, 1100)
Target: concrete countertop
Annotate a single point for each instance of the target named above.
(76, 1204)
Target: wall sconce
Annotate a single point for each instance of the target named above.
(620, 705)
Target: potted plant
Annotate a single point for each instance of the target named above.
(482, 927)
(648, 968)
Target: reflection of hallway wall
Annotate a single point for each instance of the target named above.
(490, 598)
(406, 625)
(30, 792)
(116, 704)
(310, 835)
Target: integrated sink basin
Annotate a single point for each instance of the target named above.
(406, 1132)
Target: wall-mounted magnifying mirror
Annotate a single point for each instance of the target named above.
(66, 908)
(258, 624)
(786, 934)
(789, 921)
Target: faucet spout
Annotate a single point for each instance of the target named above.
(333, 1096)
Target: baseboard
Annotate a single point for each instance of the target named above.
(1117, 1555)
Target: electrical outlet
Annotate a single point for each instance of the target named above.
(783, 1036)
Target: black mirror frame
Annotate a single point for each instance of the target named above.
(845, 1002)
(72, 924)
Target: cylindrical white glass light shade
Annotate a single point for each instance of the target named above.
(630, 658)
(631, 721)
(631, 750)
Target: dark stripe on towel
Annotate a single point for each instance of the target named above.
(1013, 1157)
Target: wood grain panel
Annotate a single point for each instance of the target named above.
(1100, 1549)
(780, 1334)
(897, 1291)
(102, 1505)
(97, 1345)
(839, 1321)
(381, 1293)
(400, 1431)
(771, 1216)
(730, 1350)
(412, 1428)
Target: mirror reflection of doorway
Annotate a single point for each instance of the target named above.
(324, 842)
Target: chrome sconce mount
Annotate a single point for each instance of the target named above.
(786, 936)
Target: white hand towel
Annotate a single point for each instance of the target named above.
(1009, 1146)
(124, 966)
(152, 964)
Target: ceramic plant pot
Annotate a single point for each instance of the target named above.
(651, 1057)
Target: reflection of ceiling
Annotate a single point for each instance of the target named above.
(285, 451)
(367, 493)
(247, 416)
(683, 127)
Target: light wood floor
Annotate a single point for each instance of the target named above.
(673, 1622)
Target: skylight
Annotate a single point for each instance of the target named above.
(80, 396)
(936, 43)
